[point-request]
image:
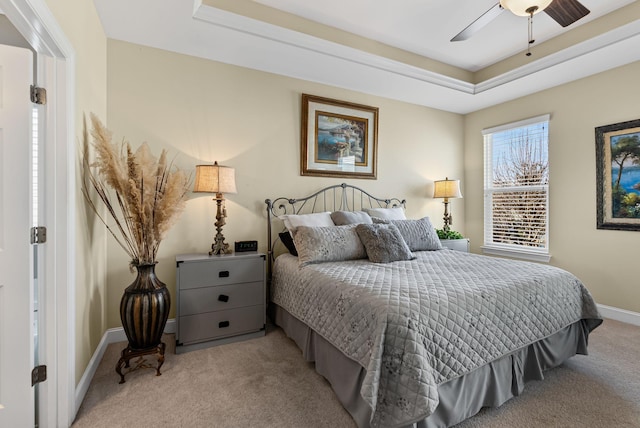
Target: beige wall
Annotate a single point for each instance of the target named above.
(204, 111)
(81, 25)
(603, 259)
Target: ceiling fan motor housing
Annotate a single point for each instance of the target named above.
(525, 7)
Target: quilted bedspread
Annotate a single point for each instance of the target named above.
(414, 325)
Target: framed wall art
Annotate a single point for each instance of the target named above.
(618, 175)
(339, 139)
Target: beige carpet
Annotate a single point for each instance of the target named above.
(265, 383)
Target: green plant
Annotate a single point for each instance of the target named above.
(449, 234)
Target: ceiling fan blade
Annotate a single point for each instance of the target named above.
(566, 12)
(476, 25)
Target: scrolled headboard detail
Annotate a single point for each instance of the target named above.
(339, 197)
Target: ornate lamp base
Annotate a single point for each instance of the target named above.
(219, 246)
(447, 216)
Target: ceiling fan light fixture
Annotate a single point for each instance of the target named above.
(525, 7)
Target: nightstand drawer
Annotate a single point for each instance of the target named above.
(224, 271)
(222, 297)
(215, 325)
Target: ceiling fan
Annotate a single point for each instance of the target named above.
(564, 12)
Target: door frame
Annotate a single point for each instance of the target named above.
(38, 26)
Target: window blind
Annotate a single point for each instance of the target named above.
(516, 179)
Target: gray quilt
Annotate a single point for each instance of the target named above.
(414, 325)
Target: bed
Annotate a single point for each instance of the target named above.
(423, 338)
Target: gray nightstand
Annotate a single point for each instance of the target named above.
(220, 299)
(456, 244)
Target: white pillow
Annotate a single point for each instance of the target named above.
(292, 221)
(396, 213)
(341, 218)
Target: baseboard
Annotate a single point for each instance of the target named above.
(621, 315)
(110, 336)
(85, 381)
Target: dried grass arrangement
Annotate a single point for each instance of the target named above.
(143, 195)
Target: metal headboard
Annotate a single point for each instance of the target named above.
(340, 197)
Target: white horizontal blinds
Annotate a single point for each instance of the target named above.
(516, 185)
(519, 218)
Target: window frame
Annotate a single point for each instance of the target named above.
(511, 250)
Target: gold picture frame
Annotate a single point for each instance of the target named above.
(338, 138)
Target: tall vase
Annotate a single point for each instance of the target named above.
(144, 309)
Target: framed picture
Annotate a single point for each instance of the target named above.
(618, 175)
(339, 139)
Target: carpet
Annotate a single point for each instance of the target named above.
(265, 382)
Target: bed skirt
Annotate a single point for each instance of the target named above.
(488, 386)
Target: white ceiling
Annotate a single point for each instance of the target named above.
(423, 27)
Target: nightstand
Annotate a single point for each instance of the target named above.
(220, 299)
(456, 244)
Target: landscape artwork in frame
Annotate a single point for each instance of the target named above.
(618, 175)
(339, 138)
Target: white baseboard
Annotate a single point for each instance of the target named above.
(110, 336)
(621, 315)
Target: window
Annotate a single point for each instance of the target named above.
(516, 189)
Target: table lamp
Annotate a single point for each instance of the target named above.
(446, 189)
(216, 179)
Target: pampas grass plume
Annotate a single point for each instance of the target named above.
(143, 195)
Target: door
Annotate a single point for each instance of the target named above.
(16, 283)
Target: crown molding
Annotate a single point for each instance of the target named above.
(209, 32)
(601, 43)
(274, 33)
(414, 84)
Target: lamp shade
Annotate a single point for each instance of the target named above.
(520, 7)
(215, 179)
(446, 189)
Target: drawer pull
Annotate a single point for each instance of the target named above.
(223, 324)
(223, 298)
(223, 274)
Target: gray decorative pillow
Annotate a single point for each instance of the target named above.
(420, 235)
(327, 244)
(350, 217)
(384, 243)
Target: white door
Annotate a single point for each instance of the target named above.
(16, 283)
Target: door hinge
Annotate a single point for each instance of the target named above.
(38, 235)
(38, 95)
(38, 374)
